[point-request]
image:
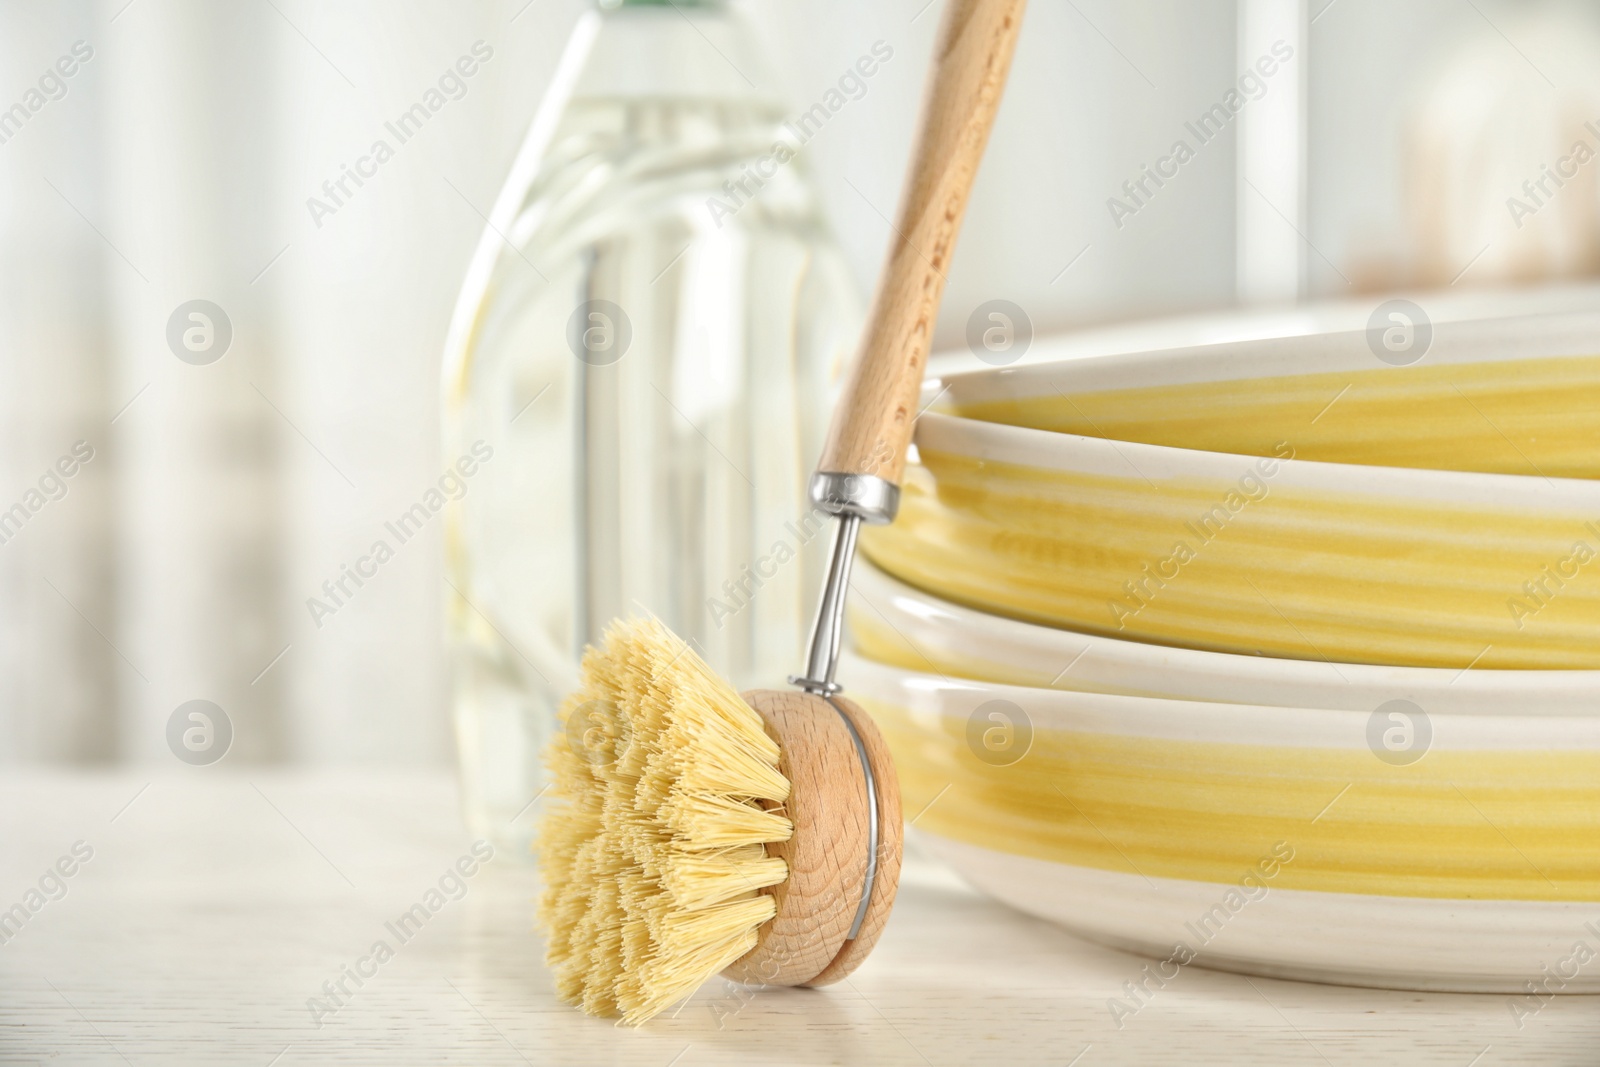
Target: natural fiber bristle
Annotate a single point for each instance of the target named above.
(652, 845)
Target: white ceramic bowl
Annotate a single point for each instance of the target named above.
(896, 624)
(1273, 556)
(1509, 395)
(1285, 842)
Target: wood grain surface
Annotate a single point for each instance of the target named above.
(891, 835)
(878, 405)
(828, 854)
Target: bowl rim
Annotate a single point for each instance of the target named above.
(1024, 446)
(1203, 721)
(1453, 343)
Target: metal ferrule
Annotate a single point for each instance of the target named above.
(872, 499)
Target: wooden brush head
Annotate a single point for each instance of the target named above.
(828, 853)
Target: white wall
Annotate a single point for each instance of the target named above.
(1079, 119)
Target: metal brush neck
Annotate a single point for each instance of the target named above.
(823, 660)
(854, 499)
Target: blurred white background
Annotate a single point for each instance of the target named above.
(176, 162)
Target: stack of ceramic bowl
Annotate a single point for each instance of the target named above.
(1274, 656)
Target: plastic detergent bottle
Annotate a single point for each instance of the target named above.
(643, 343)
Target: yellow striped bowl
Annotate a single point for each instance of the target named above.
(1510, 396)
(1255, 555)
(1268, 840)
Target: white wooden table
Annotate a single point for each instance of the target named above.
(215, 905)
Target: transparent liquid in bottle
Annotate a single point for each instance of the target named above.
(645, 347)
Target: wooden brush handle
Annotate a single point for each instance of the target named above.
(872, 424)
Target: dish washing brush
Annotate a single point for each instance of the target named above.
(692, 829)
